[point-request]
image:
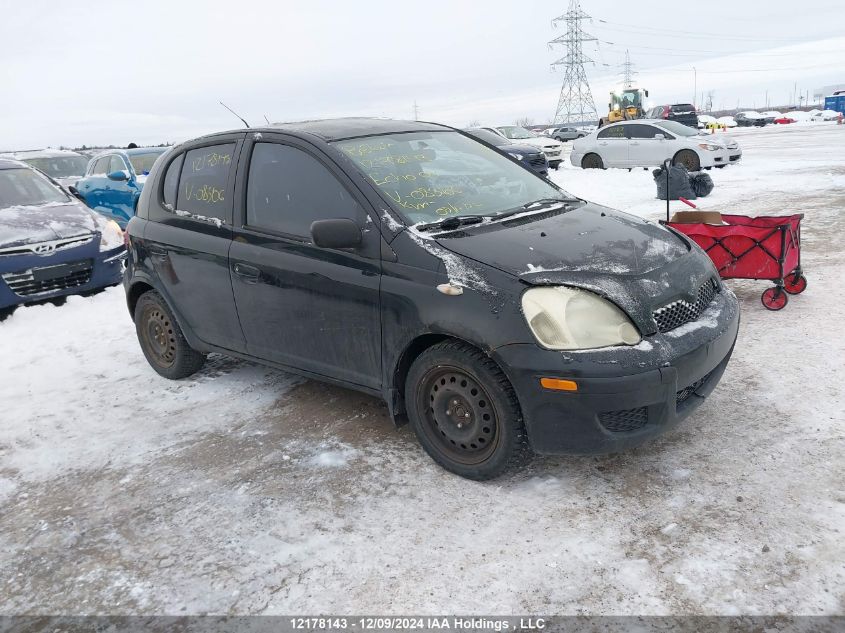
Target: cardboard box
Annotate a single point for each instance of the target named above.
(697, 217)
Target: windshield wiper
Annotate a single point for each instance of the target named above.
(542, 202)
(451, 223)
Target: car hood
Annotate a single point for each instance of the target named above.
(538, 142)
(44, 223)
(587, 238)
(520, 148)
(639, 265)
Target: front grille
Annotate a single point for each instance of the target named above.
(47, 248)
(625, 420)
(678, 312)
(735, 157)
(684, 394)
(537, 161)
(36, 281)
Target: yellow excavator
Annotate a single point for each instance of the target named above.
(625, 105)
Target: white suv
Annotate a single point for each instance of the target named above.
(551, 148)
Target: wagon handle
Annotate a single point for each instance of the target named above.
(666, 164)
(687, 202)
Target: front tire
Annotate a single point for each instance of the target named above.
(464, 412)
(162, 340)
(688, 159)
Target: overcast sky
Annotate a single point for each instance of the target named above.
(113, 72)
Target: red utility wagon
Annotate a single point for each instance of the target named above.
(766, 247)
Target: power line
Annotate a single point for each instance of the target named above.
(649, 30)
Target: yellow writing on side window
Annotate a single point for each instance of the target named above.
(362, 149)
(206, 193)
(210, 160)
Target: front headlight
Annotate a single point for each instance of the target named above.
(563, 318)
(518, 156)
(111, 235)
(709, 146)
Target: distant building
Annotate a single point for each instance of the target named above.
(826, 91)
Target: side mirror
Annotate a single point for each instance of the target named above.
(74, 192)
(645, 92)
(660, 137)
(118, 175)
(338, 233)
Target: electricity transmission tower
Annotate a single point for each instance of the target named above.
(628, 71)
(576, 101)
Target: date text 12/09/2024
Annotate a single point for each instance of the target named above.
(432, 623)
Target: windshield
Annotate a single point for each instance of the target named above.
(678, 128)
(22, 186)
(60, 166)
(513, 131)
(488, 137)
(143, 163)
(429, 176)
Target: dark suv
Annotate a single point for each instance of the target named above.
(488, 307)
(680, 112)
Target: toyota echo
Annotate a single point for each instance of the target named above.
(496, 313)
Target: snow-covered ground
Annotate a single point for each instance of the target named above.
(246, 490)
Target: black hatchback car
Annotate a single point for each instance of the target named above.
(492, 310)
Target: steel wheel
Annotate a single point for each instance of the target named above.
(459, 417)
(158, 336)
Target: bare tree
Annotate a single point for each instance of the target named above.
(474, 123)
(524, 121)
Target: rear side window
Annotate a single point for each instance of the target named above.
(288, 189)
(205, 177)
(171, 182)
(613, 132)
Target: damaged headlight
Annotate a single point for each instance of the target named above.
(564, 318)
(111, 235)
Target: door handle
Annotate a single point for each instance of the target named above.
(249, 274)
(634, 143)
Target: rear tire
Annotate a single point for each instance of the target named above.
(464, 412)
(592, 161)
(688, 159)
(162, 340)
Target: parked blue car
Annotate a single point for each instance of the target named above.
(114, 179)
(51, 244)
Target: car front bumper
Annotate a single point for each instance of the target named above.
(625, 396)
(32, 278)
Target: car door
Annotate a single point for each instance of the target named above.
(612, 146)
(188, 235)
(644, 149)
(92, 186)
(118, 196)
(314, 309)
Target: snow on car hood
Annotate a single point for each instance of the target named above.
(42, 223)
(588, 238)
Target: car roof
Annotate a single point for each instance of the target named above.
(11, 163)
(42, 153)
(338, 129)
(351, 127)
